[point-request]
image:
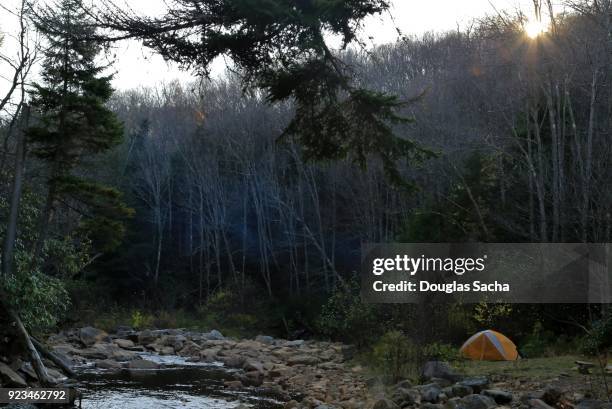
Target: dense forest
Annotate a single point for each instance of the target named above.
(237, 201)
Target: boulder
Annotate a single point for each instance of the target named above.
(296, 343)
(233, 384)
(146, 337)
(124, 343)
(430, 392)
(476, 402)
(108, 364)
(233, 361)
(406, 397)
(214, 335)
(303, 360)
(292, 404)
(166, 351)
(174, 341)
(538, 404)
(143, 364)
(438, 369)
(499, 396)
(406, 383)
(551, 395)
(190, 348)
(10, 377)
(385, 404)
(477, 383)
(265, 339)
(90, 336)
(428, 405)
(591, 404)
(253, 366)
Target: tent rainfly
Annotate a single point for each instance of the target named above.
(489, 345)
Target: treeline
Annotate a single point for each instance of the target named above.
(518, 127)
(509, 143)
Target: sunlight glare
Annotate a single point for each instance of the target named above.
(534, 28)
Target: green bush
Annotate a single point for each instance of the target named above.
(439, 351)
(345, 317)
(395, 356)
(142, 320)
(40, 300)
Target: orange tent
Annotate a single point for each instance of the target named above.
(489, 345)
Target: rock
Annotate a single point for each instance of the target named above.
(252, 378)
(538, 404)
(438, 369)
(265, 339)
(166, 351)
(478, 383)
(476, 402)
(430, 392)
(90, 336)
(303, 360)
(108, 364)
(296, 343)
(214, 335)
(190, 348)
(552, 395)
(292, 404)
(404, 384)
(10, 377)
(126, 332)
(109, 351)
(124, 343)
(233, 384)
(499, 396)
(589, 404)
(253, 366)
(406, 397)
(385, 404)
(442, 383)
(56, 376)
(428, 405)
(233, 361)
(92, 353)
(146, 337)
(143, 364)
(174, 341)
(452, 403)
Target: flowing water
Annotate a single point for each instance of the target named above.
(176, 384)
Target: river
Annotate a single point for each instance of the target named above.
(176, 384)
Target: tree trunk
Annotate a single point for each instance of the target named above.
(11, 225)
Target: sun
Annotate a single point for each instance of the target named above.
(535, 28)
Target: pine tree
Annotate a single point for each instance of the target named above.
(74, 122)
(280, 47)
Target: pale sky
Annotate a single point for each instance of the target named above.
(137, 66)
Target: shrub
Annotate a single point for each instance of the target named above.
(439, 351)
(395, 356)
(142, 320)
(40, 300)
(345, 317)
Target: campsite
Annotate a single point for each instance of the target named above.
(306, 204)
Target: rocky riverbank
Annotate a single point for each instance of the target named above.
(312, 373)
(302, 374)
